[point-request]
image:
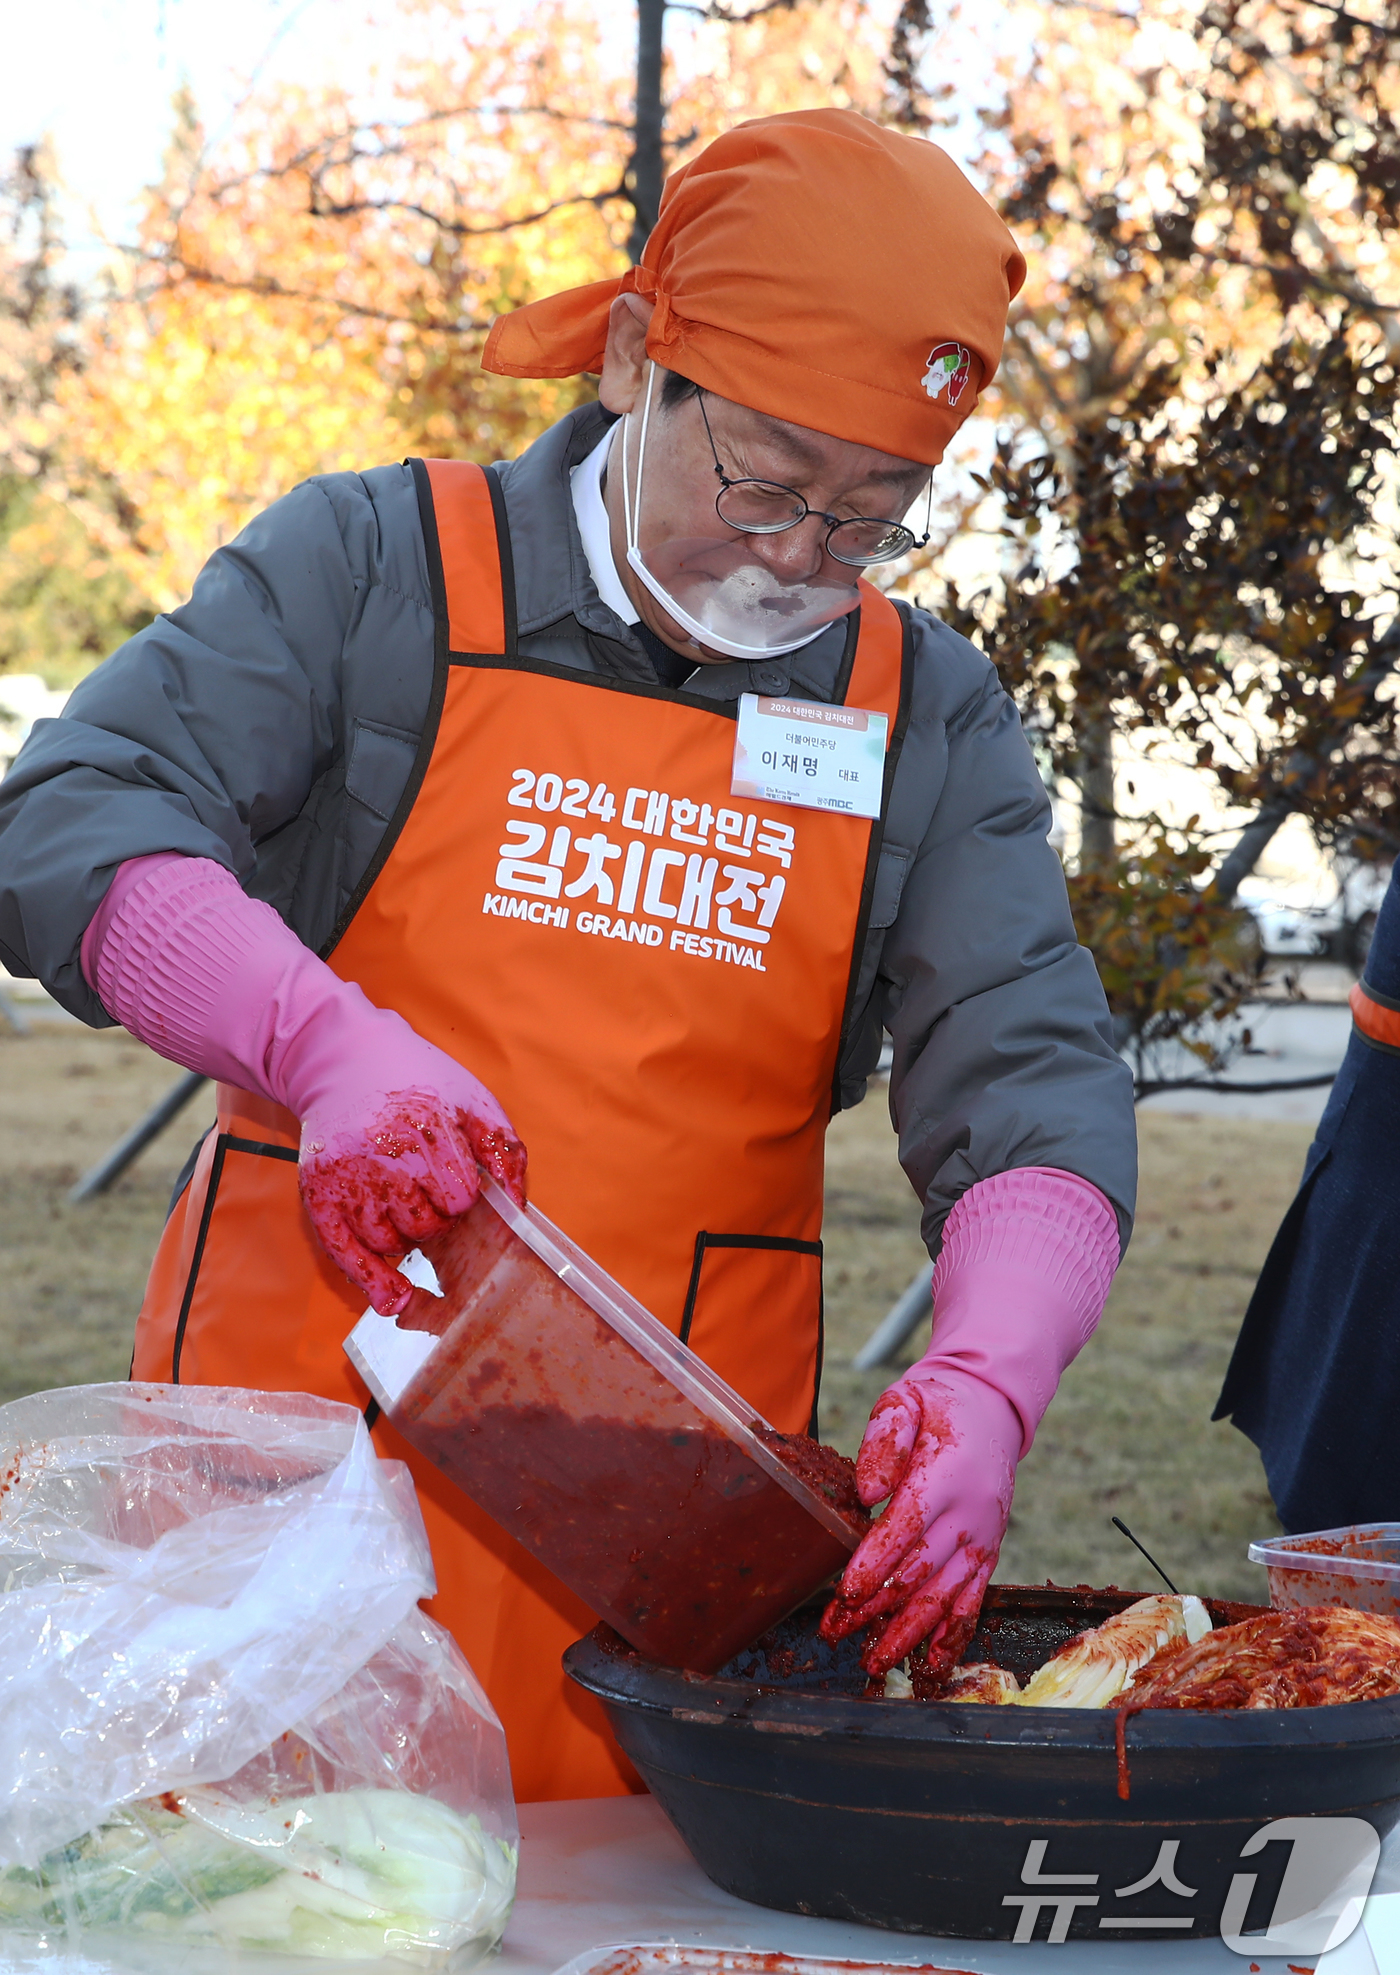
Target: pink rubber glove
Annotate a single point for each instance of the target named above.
(392, 1129)
(1021, 1281)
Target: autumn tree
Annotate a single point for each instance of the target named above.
(314, 293)
(59, 594)
(1202, 390)
(1193, 480)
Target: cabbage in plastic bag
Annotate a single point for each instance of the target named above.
(330, 1843)
(211, 1595)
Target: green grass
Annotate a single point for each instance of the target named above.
(72, 1278)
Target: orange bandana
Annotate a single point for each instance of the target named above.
(814, 267)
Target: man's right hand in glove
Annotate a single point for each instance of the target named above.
(393, 1129)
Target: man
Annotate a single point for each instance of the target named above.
(484, 742)
(1315, 1376)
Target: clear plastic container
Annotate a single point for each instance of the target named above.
(1357, 1566)
(597, 1439)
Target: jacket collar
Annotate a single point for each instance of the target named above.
(554, 587)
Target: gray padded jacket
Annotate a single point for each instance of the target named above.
(271, 723)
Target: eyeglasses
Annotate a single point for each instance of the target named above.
(766, 507)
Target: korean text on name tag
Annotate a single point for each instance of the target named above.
(818, 757)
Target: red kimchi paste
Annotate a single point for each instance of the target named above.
(673, 1535)
(608, 1470)
(822, 1468)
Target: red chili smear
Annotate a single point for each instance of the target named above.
(346, 1184)
(951, 1634)
(503, 1156)
(1334, 1546)
(835, 1619)
(169, 1801)
(352, 1179)
(12, 1473)
(392, 1137)
(753, 1960)
(1309, 1587)
(929, 1675)
(823, 1469)
(1120, 1742)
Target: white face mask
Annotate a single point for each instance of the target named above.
(713, 588)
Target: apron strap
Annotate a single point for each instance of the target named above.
(468, 554)
(877, 675)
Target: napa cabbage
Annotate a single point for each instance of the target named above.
(353, 1873)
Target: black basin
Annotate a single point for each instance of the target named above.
(793, 1791)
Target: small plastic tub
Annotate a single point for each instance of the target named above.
(1357, 1566)
(597, 1439)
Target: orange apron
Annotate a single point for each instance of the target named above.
(653, 978)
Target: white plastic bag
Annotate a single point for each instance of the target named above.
(222, 1717)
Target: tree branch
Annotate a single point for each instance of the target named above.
(1247, 849)
(1348, 19)
(346, 209)
(1101, 13)
(1300, 767)
(324, 148)
(1150, 1088)
(266, 285)
(717, 11)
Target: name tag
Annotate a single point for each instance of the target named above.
(816, 757)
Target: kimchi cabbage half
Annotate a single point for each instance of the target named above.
(353, 1873)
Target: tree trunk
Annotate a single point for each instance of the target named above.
(646, 172)
(1097, 844)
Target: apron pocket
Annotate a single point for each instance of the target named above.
(753, 1312)
(262, 1305)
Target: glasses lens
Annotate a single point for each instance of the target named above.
(759, 507)
(861, 541)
